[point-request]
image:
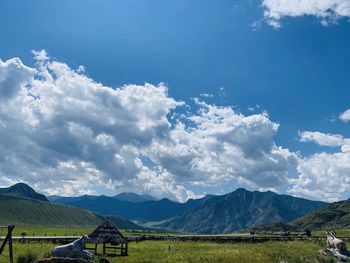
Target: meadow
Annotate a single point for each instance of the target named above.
(177, 251)
(201, 252)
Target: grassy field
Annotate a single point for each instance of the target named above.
(163, 251)
(68, 231)
(176, 251)
(42, 231)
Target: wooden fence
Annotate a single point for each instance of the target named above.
(190, 238)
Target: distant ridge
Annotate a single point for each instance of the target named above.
(145, 211)
(135, 198)
(67, 199)
(23, 190)
(125, 196)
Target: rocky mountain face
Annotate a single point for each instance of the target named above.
(241, 209)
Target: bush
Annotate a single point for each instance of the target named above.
(29, 257)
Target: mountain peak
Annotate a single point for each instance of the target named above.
(241, 209)
(23, 190)
(241, 190)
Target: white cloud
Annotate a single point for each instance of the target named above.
(327, 10)
(323, 175)
(223, 145)
(40, 55)
(323, 139)
(345, 116)
(13, 74)
(64, 133)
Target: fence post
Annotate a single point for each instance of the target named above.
(9, 231)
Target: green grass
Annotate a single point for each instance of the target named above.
(58, 231)
(22, 211)
(69, 231)
(191, 252)
(158, 251)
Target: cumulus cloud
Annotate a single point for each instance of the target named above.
(323, 139)
(40, 55)
(222, 145)
(13, 74)
(345, 116)
(323, 175)
(326, 10)
(64, 133)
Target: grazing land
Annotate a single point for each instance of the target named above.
(180, 251)
(164, 251)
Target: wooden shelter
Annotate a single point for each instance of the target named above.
(110, 237)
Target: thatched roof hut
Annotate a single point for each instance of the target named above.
(108, 233)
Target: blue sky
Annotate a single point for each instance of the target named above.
(295, 67)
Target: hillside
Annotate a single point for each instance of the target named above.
(23, 190)
(336, 216)
(23, 211)
(241, 209)
(141, 211)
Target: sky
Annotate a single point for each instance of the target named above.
(176, 99)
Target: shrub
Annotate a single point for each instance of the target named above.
(29, 257)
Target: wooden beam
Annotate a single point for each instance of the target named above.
(10, 229)
(8, 236)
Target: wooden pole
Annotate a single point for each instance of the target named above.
(7, 239)
(96, 249)
(9, 231)
(104, 248)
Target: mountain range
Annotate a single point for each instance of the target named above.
(125, 196)
(139, 211)
(241, 209)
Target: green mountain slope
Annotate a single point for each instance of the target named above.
(23, 211)
(23, 190)
(336, 216)
(241, 209)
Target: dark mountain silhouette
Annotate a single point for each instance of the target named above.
(125, 196)
(23, 190)
(135, 198)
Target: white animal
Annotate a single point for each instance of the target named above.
(73, 250)
(335, 243)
